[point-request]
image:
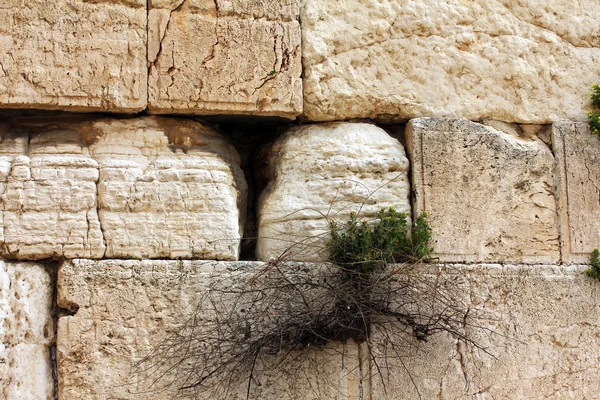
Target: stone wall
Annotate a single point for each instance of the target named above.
(277, 117)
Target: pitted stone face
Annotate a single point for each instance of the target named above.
(225, 57)
(26, 332)
(316, 173)
(73, 55)
(489, 194)
(528, 61)
(142, 188)
(578, 181)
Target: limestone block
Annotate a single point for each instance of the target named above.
(538, 328)
(224, 57)
(73, 55)
(124, 308)
(49, 201)
(325, 171)
(144, 187)
(26, 332)
(578, 180)
(489, 194)
(168, 189)
(528, 61)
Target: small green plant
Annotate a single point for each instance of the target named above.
(363, 247)
(594, 270)
(594, 116)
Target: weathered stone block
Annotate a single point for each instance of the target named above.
(49, 202)
(320, 172)
(73, 55)
(124, 308)
(168, 188)
(225, 57)
(26, 332)
(578, 180)
(489, 194)
(146, 187)
(525, 61)
(537, 328)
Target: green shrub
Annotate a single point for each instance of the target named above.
(594, 270)
(595, 115)
(363, 248)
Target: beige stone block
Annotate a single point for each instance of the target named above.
(73, 55)
(168, 189)
(528, 61)
(577, 154)
(26, 332)
(315, 173)
(538, 328)
(124, 308)
(489, 194)
(49, 201)
(224, 57)
(142, 187)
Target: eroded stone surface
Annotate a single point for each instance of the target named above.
(528, 61)
(325, 171)
(489, 194)
(145, 187)
(539, 326)
(26, 332)
(126, 308)
(224, 57)
(73, 55)
(578, 180)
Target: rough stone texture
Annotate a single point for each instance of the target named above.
(145, 187)
(325, 171)
(73, 55)
(542, 337)
(528, 61)
(578, 180)
(124, 308)
(224, 57)
(26, 332)
(168, 188)
(489, 194)
(49, 202)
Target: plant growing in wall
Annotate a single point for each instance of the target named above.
(594, 270)
(594, 116)
(270, 319)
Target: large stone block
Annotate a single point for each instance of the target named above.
(224, 57)
(26, 332)
(322, 172)
(145, 187)
(578, 179)
(526, 61)
(73, 55)
(123, 309)
(538, 331)
(489, 193)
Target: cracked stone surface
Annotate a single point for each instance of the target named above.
(224, 57)
(539, 329)
(26, 332)
(73, 55)
(489, 194)
(321, 171)
(578, 180)
(145, 187)
(528, 61)
(123, 308)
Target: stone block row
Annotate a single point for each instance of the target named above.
(524, 61)
(536, 329)
(494, 192)
(130, 188)
(172, 56)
